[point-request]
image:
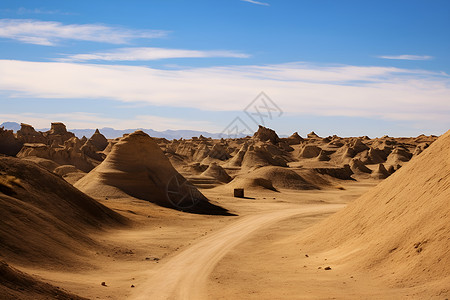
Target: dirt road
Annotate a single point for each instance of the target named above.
(184, 276)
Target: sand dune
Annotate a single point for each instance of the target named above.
(137, 167)
(399, 229)
(44, 221)
(273, 178)
(41, 211)
(217, 172)
(18, 285)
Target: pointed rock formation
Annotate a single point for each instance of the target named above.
(99, 140)
(219, 151)
(294, 139)
(266, 134)
(380, 172)
(137, 167)
(217, 172)
(256, 157)
(90, 150)
(236, 160)
(313, 135)
(358, 166)
(357, 145)
(372, 156)
(201, 152)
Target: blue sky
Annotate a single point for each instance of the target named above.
(337, 67)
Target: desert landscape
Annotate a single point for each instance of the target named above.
(148, 218)
(238, 149)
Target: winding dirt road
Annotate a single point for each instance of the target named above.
(184, 276)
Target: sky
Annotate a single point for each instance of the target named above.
(349, 68)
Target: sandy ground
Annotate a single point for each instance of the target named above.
(173, 255)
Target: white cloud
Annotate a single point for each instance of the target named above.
(34, 11)
(39, 11)
(49, 33)
(256, 2)
(83, 120)
(148, 53)
(407, 57)
(298, 88)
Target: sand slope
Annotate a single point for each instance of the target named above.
(18, 285)
(401, 228)
(42, 217)
(127, 170)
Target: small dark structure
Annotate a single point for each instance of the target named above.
(239, 193)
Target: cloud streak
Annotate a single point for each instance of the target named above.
(407, 57)
(49, 33)
(257, 2)
(298, 88)
(148, 53)
(82, 120)
(39, 11)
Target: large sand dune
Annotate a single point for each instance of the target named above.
(41, 211)
(401, 228)
(44, 221)
(137, 167)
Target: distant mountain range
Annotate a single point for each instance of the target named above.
(111, 133)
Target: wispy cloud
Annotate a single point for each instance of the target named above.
(299, 88)
(256, 2)
(50, 33)
(407, 57)
(34, 11)
(148, 53)
(81, 120)
(39, 11)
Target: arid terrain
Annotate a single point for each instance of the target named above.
(147, 218)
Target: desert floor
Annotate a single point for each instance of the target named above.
(168, 254)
